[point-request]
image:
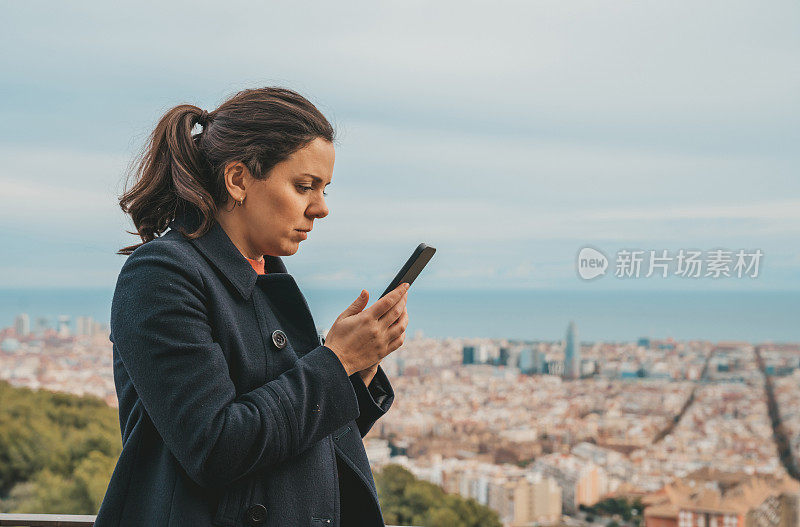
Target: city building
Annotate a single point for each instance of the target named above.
(468, 356)
(63, 326)
(581, 482)
(527, 361)
(710, 498)
(22, 325)
(572, 354)
(505, 353)
(537, 501)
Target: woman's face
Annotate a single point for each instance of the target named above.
(277, 209)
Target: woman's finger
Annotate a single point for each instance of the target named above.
(396, 343)
(399, 327)
(394, 313)
(383, 305)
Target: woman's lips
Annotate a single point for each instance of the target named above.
(304, 234)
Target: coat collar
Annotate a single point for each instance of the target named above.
(223, 254)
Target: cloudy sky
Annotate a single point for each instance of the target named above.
(507, 134)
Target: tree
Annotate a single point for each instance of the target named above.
(405, 500)
(57, 451)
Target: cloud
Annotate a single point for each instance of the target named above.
(51, 191)
(671, 75)
(519, 130)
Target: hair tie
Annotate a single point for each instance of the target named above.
(202, 119)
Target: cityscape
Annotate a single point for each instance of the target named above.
(696, 432)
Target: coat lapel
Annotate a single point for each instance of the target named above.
(280, 288)
(218, 248)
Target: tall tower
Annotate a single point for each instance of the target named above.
(505, 354)
(63, 326)
(572, 354)
(22, 325)
(468, 355)
(526, 362)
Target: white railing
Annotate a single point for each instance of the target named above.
(51, 520)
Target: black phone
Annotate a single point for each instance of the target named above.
(411, 269)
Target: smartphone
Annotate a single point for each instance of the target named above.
(411, 269)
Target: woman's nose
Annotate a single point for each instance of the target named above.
(319, 209)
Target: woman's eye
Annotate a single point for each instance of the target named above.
(306, 189)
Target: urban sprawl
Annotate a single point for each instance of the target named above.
(701, 433)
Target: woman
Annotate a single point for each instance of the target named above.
(233, 410)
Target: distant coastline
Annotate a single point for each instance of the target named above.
(751, 316)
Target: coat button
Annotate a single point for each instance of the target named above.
(321, 340)
(256, 515)
(279, 339)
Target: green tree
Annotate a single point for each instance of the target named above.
(442, 518)
(92, 476)
(406, 500)
(57, 451)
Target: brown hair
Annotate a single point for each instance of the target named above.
(178, 170)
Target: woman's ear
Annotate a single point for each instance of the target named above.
(237, 178)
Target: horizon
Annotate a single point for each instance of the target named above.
(601, 316)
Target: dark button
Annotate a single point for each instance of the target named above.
(256, 515)
(279, 339)
(321, 340)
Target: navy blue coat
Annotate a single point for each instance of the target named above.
(232, 410)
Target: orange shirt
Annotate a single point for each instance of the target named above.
(257, 265)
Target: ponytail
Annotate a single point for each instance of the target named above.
(179, 171)
(167, 174)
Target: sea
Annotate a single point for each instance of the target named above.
(522, 315)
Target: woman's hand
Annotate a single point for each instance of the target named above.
(362, 338)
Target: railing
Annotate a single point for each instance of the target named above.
(51, 520)
(46, 520)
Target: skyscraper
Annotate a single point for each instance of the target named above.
(505, 353)
(22, 325)
(539, 360)
(85, 326)
(526, 363)
(63, 325)
(468, 355)
(572, 354)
